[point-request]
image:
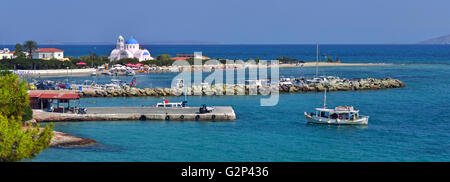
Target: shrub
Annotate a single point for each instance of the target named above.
(17, 143)
(28, 114)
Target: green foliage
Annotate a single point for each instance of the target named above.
(39, 64)
(28, 113)
(4, 70)
(30, 46)
(164, 57)
(125, 61)
(92, 60)
(17, 143)
(287, 60)
(149, 62)
(161, 60)
(330, 59)
(19, 51)
(13, 96)
(337, 59)
(31, 64)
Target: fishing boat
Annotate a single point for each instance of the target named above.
(341, 115)
(166, 103)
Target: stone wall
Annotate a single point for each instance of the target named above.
(240, 89)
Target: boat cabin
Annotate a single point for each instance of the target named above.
(166, 103)
(340, 112)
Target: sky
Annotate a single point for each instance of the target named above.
(224, 22)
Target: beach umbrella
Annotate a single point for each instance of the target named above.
(138, 65)
(81, 63)
(129, 64)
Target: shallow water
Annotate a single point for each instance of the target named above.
(406, 124)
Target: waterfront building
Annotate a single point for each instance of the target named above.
(129, 49)
(180, 58)
(6, 54)
(48, 53)
(188, 56)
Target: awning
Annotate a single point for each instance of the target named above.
(44, 95)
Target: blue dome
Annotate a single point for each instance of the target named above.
(146, 53)
(131, 41)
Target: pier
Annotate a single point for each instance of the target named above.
(220, 113)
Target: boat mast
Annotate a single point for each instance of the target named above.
(185, 96)
(317, 60)
(325, 99)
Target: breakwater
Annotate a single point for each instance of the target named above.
(242, 89)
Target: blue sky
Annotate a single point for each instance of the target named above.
(227, 21)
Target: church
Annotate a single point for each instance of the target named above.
(129, 49)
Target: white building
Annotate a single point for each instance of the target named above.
(6, 54)
(129, 49)
(48, 53)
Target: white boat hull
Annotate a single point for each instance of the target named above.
(320, 120)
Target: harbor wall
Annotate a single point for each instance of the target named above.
(236, 89)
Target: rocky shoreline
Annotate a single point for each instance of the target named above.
(61, 139)
(65, 140)
(241, 89)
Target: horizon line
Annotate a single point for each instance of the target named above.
(218, 43)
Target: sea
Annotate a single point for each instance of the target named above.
(406, 124)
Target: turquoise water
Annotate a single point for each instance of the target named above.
(406, 124)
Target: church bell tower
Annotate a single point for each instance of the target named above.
(120, 43)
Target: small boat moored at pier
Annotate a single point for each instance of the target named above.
(341, 115)
(166, 103)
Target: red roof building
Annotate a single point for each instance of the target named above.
(48, 50)
(180, 58)
(48, 53)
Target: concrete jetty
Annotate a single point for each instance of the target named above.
(220, 113)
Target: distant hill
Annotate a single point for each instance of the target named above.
(438, 40)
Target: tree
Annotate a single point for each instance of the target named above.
(19, 51)
(13, 96)
(18, 141)
(330, 59)
(30, 46)
(164, 57)
(4, 70)
(126, 61)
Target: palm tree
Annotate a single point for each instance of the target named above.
(30, 46)
(19, 51)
